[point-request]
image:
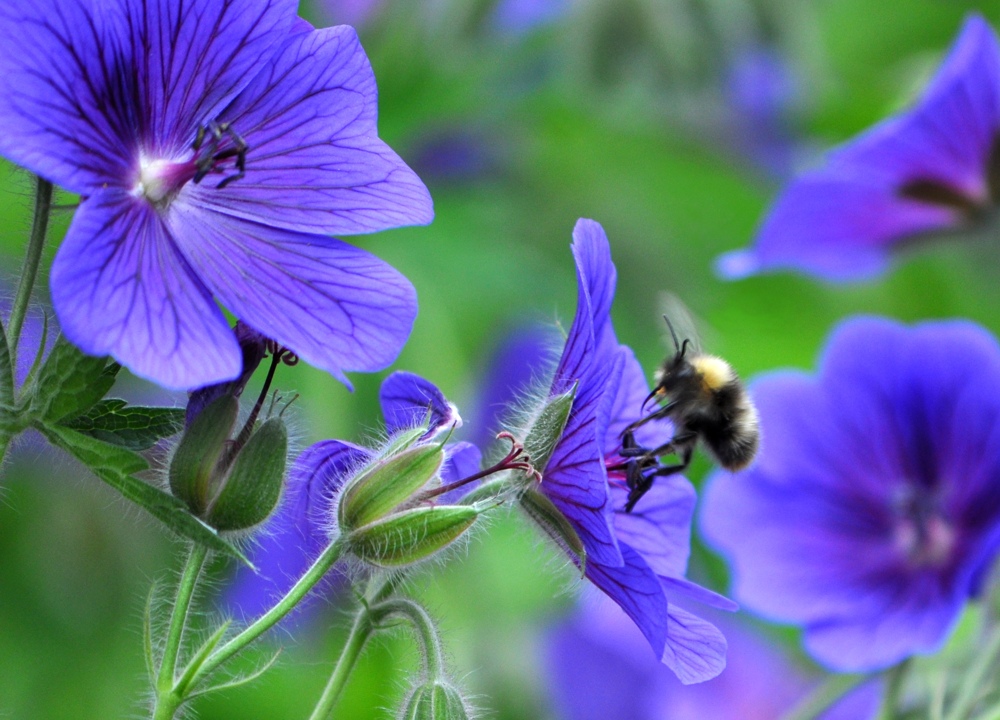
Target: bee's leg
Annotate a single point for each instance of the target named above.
(640, 482)
(657, 414)
(682, 445)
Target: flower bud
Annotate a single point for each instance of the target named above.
(411, 535)
(435, 700)
(388, 482)
(194, 466)
(252, 487)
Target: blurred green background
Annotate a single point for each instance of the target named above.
(641, 114)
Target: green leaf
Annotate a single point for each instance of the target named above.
(116, 466)
(132, 427)
(70, 382)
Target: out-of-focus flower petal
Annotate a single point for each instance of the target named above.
(837, 223)
(874, 508)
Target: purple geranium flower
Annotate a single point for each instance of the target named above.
(930, 169)
(215, 143)
(637, 559)
(303, 524)
(597, 669)
(874, 506)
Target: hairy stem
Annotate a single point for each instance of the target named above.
(32, 260)
(265, 622)
(361, 630)
(422, 624)
(167, 701)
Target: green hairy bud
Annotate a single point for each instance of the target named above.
(435, 700)
(387, 483)
(411, 535)
(252, 488)
(194, 467)
(230, 488)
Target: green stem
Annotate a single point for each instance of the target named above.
(167, 701)
(360, 632)
(973, 684)
(895, 677)
(824, 696)
(366, 622)
(422, 624)
(265, 622)
(29, 271)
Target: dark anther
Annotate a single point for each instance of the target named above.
(212, 137)
(281, 353)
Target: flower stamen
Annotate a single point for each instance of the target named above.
(516, 459)
(216, 152)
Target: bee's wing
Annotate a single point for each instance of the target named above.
(681, 325)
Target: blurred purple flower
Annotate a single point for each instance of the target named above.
(930, 169)
(152, 111)
(521, 359)
(302, 527)
(637, 559)
(760, 89)
(597, 669)
(874, 506)
(519, 17)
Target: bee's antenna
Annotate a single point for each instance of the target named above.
(673, 334)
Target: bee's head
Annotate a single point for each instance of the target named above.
(675, 373)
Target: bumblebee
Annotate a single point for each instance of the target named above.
(705, 399)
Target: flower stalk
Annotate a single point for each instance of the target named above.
(167, 700)
(32, 261)
(368, 620)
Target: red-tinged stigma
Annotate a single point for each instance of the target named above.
(516, 459)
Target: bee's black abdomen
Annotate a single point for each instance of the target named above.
(732, 435)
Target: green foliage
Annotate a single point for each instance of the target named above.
(70, 383)
(132, 427)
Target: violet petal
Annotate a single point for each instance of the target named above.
(337, 307)
(121, 287)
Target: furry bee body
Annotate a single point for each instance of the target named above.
(705, 399)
